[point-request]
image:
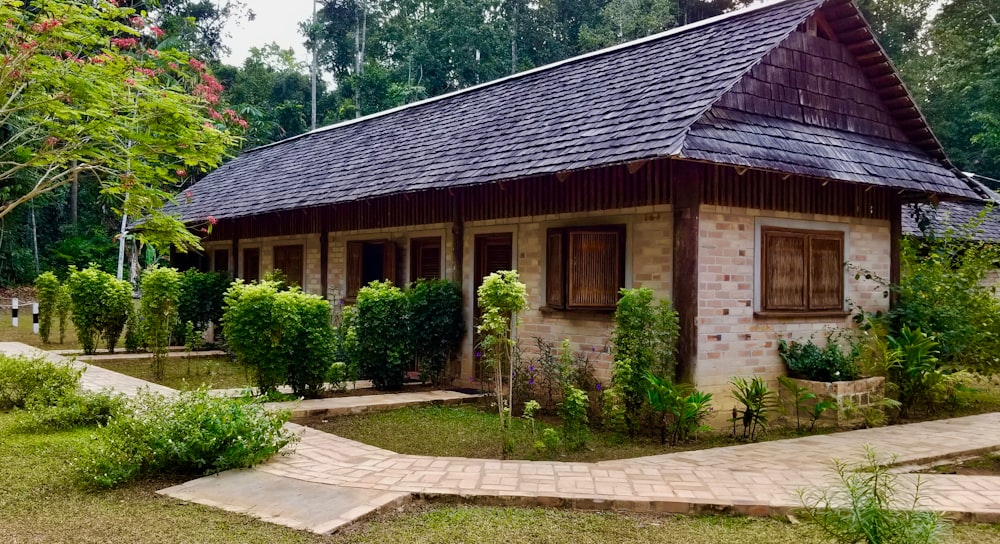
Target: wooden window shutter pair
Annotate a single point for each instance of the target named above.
(290, 260)
(802, 270)
(585, 267)
(425, 258)
(384, 252)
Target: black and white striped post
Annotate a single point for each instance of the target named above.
(34, 317)
(13, 311)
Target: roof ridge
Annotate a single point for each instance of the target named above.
(764, 5)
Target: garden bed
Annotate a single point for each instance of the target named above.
(184, 372)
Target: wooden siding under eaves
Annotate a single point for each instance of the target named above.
(615, 187)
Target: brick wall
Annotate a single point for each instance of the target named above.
(731, 340)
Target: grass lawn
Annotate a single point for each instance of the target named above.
(184, 372)
(466, 431)
(41, 501)
(24, 335)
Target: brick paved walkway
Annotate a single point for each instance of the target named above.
(356, 479)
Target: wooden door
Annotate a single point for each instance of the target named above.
(289, 259)
(251, 264)
(493, 252)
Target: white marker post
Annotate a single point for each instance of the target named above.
(13, 312)
(34, 317)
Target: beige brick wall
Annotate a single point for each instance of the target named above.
(648, 263)
(731, 340)
(310, 243)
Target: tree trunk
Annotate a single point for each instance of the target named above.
(74, 197)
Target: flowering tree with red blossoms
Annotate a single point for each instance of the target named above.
(84, 91)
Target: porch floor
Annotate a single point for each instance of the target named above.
(328, 481)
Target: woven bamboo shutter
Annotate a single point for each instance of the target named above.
(355, 260)
(289, 259)
(389, 259)
(595, 267)
(425, 258)
(555, 271)
(826, 272)
(784, 270)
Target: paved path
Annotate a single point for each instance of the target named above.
(329, 481)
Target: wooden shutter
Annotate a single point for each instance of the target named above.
(784, 279)
(289, 259)
(425, 258)
(389, 254)
(555, 269)
(353, 271)
(595, 269)
(251, 264)
(826, 271)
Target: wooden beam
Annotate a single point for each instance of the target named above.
(236, 248)
(686, 181)
(895, 241)
(324, 260)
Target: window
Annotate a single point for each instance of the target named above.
(289, 260)
(368, 262)
(425, 258)
(585, 267)
(251, 264)
(220, 260)
(802, 270)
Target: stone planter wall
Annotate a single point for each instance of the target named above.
(863, 393)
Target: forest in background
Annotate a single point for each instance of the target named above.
(386, 53)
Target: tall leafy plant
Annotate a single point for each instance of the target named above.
(757, 401)
(501, 298)
(49, 291)
(436, 325)
(200, 301)
(914, 372)
(682, 409)
(383, 335)
(100, 306)
(160, 291)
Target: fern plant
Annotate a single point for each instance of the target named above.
(757, 400)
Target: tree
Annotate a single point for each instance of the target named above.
(625, 20)
(82, 96)
(195, 27)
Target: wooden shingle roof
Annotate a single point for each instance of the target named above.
(650, 98)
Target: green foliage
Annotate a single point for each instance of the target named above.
(160, 291)
(283, 337)
(757, 401)
(501, 297)
(383, 334)
(196, 433)
(682, 409)
(135, 333)
(77, 409)
(192, 338)
(30, 382)
(811, 362)
(805, 401)
(63, 311)
(915, 373)
(870, 505)
(49, 290)
(644, 340)
(338, 376)
(100, 306)
(573, 412)
(201, 298)
(943, 293)
(550, 441)
(345, 341)
(436, 325)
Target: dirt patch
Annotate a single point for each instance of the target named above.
(987, 465)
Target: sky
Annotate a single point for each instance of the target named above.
(276, 21)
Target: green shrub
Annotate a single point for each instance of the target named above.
(383, 336)
(345, 341)
(338, 376)
(283, 337)
(869, 505)
(644, 340)
(77, 409)
(573, 412)
(63, 311)
(914, 373)
(811, 362)
(100, 306)
(201, 300)
(49, 292)
(195, 433)
(135, 335)
(682, 409)
(806, 401)
(160, 290)
(436, 325)
(30, 382)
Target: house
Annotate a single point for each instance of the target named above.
(732, 166)
(954, 216)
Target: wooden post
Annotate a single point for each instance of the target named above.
(458, 238)
(895, 241)
(324, 254)
(236, 249)
(686, 181)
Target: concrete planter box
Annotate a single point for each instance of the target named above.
(862, 393)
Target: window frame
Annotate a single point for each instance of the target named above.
(390, 264)
(298, 249)
(416, 245)
(809, 231)
(562, 236)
